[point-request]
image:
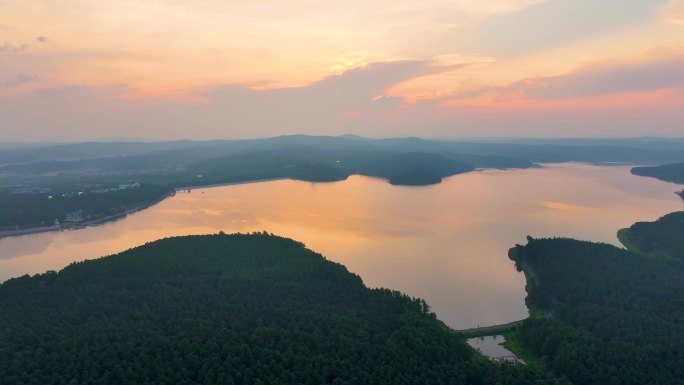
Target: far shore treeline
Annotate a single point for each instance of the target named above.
(57, 186)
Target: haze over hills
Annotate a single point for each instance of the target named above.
(67, 171)
(652, 142)
(414, 141)
(645, 150)
(178, 163)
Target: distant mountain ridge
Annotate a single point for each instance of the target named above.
(651, 151)
(339, 155)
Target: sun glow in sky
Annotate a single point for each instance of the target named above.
(168, 69)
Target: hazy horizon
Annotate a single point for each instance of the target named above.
(342, 192)
(39, 143)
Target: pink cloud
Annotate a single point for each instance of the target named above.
(648, 83)
(352, 103)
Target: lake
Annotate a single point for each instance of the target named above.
(446, 243)
(491, 346)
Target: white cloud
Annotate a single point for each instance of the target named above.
(158, 44)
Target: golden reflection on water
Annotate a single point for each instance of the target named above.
(446, 243)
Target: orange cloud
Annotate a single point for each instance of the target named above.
(162, 47)
(673, 12)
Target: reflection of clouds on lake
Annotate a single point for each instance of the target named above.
(567, 207)
(13, 247)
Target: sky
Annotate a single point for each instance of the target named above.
(215, 69)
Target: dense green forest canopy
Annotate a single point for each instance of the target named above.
(663, 238)
(227, 309)
(617, 316)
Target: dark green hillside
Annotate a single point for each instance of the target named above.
(226, 309)
(318, 165)
(402, 161)
(673, 172)
(617, 317)
(387, 166)
(178, 155)
(662, 238)
(418, 176)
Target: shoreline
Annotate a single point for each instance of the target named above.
(99, 221)
(114, 217)
(486, 331)
(80, 225)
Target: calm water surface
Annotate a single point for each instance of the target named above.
(490, 346)
(446, 243)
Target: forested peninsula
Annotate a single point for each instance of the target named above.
(672, 172)
(227, 309)
(616, 316)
